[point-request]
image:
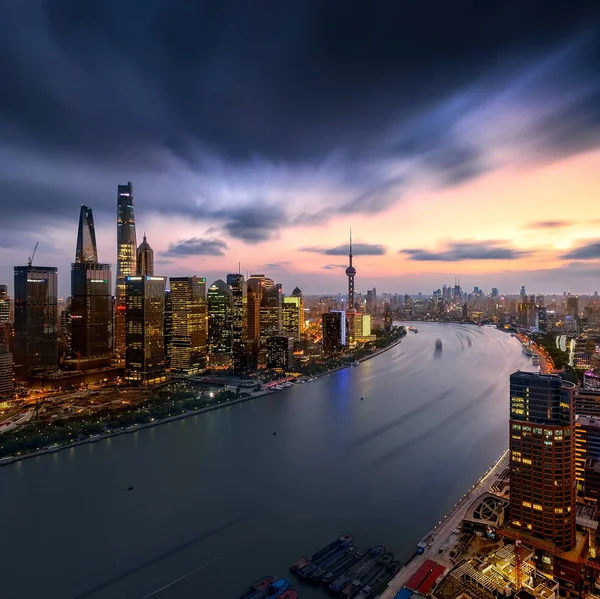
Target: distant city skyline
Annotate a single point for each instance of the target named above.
(447, 153)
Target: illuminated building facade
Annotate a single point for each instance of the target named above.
(126, 259)
(168, 327)
(6, 374)
(145, 359)
(188, 299)
(270, 318)
(542, 457)
(280, 352)
(587, 457)
(256, 288)
(334, 332)
(239, 292)
(292, 316)
(220, 318)
(245, 356)
(91, 298)
(36, 320)
(145, 260)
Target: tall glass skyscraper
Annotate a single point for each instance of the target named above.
(91, 298)
(270, 318)
(188, 300)
(220, 304)
(36, 320)
(126, 259)
(145, 359)
(239, 292)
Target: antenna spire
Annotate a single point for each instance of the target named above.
(350, 242)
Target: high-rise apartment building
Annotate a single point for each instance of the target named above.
(219, 300)
(542, 457)
(126, 260)
(573, 306)
(36, 320)
(145, 260)
(587, 457)
(334, 332)
(6, 375)
(188, 300)
(371, 304)
(145, 359)
(91, 299)
(5, 311)
(168, 327)
(239, 292)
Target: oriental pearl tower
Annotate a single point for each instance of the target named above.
(350, 312)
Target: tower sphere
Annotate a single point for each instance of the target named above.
(350, 271)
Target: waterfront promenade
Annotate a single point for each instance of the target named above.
(443, 537)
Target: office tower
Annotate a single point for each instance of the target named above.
(36, 320)
(145, 259)
(188, 298)
(220, 320)
(168, 327)
(542, 319)
(239, 291)
(334, 332)
(495, 293)
(587, 457)
(387, 317)
(257, 286)
(91, 299)
(523, 292)
(270, 318)
(292, 315)
(350, 273)
(65, 330)
(573, 306)
(245, 355)
(145, 360)
(280, 352)
(126, 260)
(6, 374)
(371, 307)
(542, 457)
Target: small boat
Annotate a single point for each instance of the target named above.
(289, 594)
(339, 560)
(301, 565)
(438, 345)
(367, 575)
(258, 586)
(364, 564)
(275, 589)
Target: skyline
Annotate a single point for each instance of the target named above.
(250, 152)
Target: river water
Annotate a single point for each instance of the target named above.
(219, 500)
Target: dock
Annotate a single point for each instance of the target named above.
(424, 570)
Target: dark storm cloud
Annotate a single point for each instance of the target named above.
(197, 247)
(358, 249)
(588, 250)
(198, 102)
(466, 250)
(550, 224)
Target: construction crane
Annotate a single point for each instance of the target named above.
(32, 255)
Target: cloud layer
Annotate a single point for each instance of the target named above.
(466, 250)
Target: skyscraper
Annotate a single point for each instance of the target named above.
(334, 332)
(6, 374)
(168, 326)
(91, 299)
(220, 306)
(36, 319)
(257, 286)
(126, 259)
(280, 352)
(542, 457)
(145, 359)
(350, 273)
(188, 299)
(145, 259)
(238, 288)
(270, 318)
(292, 316)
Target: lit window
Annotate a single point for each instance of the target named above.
(537, 506)
(527, 503)
(558, 510)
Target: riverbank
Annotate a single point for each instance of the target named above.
(186, 414)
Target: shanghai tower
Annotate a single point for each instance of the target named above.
(126, 259)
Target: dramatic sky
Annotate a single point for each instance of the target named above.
(454, 137)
